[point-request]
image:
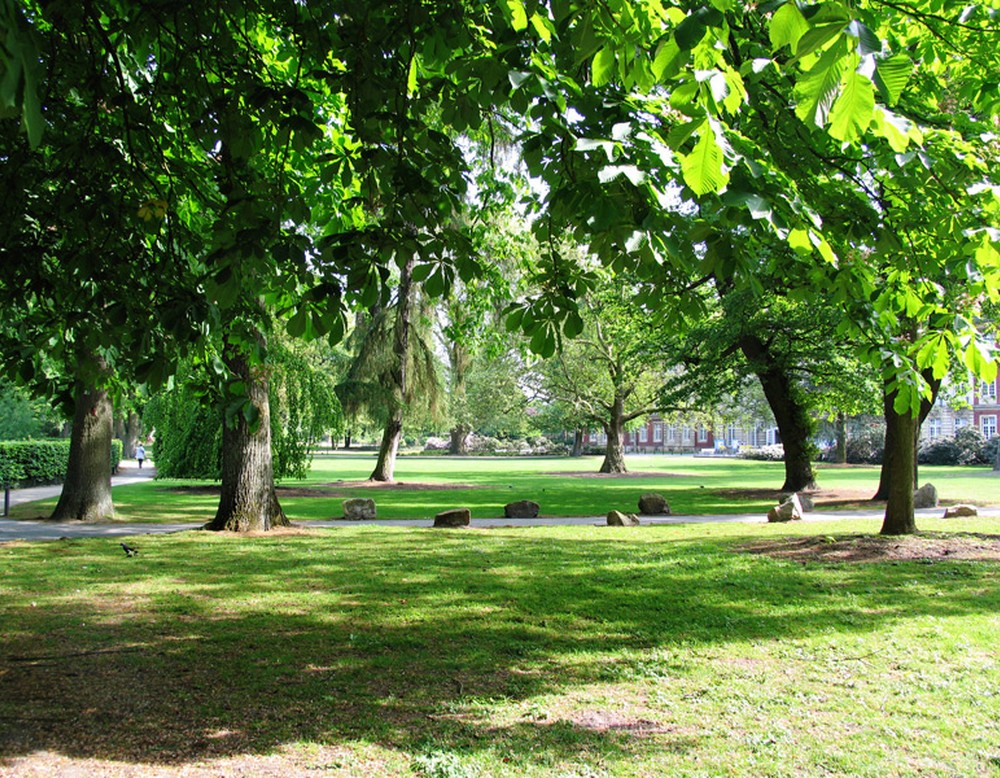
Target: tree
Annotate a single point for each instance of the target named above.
(189, 417)
(394, 371)
(792, 348)
(610, 372)
(808, 124)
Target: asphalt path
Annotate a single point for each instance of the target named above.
(129, 473)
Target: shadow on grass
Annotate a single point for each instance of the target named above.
(206, 646)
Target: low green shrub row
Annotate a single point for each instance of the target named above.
(26, 462)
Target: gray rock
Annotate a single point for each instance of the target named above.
(653, 504)
(805, 499)
(789, 510)
(522, 509)
(957, 511)
(925, 497)
(359, 509)
(457, 517)
(619, 519)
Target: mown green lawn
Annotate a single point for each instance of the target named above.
(556, 652)
(562, 486)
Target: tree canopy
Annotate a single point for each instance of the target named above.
(279, 157)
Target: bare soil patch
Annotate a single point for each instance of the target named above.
(608, 721)
(402, 486)
(924, 547)
(331, 490)
(822, 498)
(591, 474)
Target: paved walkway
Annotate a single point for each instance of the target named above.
(129, 473)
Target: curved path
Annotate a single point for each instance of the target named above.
(130, 473)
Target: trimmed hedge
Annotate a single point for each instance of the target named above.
(25, 462)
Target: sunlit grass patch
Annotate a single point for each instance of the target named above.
(540, 652)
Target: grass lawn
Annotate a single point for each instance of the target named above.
(562, 486)
(560, 652)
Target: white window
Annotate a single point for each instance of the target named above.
(989, 426)
(731, 433)
(770, 437)
(988, 391)
(671, 434)
(934, 428)
(687, 434)
(643, 434)
(657, 432)
(702, 434)
(593, 437)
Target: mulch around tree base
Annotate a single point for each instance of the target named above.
(331, 490)
(923, 547)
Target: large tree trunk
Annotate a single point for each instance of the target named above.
(898, 470)
(86, 492)
(790, 414)
(890, 452)
(459, 443)
(841, 454)
(578, 438)
(614, 451)
(460, 363)
(130, 434)
(248, 502)
(385, 467)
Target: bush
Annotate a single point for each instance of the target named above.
(33, 462)
(867, 447)
(968, 447)
(775, 453)
(939, 452)
(24, 462)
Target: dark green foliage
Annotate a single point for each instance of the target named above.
(968, 447)
(30, 462)
(188, 435)
(188, 422)
(22, 418)
(116, 454)
(866, 447)
(304, 409)
(33, 461)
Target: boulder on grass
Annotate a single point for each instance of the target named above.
(457, 517)
(925, 497)
(957, 511)
(653, 504)
(620, 519)
(522, 509)
(805, 499)
(359, 509)
(789, 510)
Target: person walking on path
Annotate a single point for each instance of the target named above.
(140, 454)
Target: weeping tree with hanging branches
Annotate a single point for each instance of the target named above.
(395, 372)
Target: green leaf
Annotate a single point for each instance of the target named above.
(798, 239)
(668, 60)
(868, 42)
(829, 22)
(788, 25)
(543, 26)
(703, 168)
(977, 360)
(852, 112)
(573, 325)
(296, 326)
(602, 66)
(516, 14)
(818, 88)
(891, 76)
